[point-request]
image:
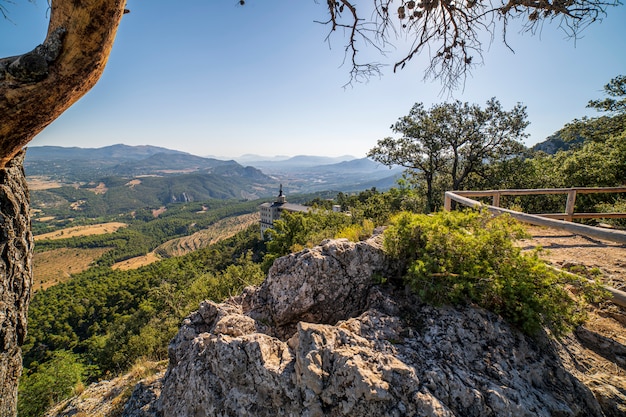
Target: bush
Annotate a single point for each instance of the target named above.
(56, 380)
(470, 257)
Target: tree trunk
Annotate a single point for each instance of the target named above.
(35, 88)
(16, 244)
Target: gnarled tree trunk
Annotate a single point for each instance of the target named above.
(35, 88)
(16, 243)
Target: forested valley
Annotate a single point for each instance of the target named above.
(101, 321)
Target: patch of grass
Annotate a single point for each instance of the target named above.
(57, 265)
(78, 231)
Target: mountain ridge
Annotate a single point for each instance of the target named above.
(300, 174)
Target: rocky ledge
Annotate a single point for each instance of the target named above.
(320, 338)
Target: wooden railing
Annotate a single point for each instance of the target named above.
(571, 193)
(547, 219)
(551, 219)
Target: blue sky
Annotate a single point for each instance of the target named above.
(213, 78)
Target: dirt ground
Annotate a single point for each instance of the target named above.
(563, 249)
(596, 351)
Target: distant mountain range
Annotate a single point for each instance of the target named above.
(280, 163)
(80, 164)
(113, 152)
(204, 177)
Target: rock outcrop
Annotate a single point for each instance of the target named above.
(320, 338)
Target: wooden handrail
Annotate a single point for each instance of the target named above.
(571, 192)
(581, 229)
(530, 191)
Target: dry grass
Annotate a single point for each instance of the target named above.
(77, 231)
(99, 189)
(157, 212)
(42, 183)
(220, 230)
(136, 262)
(45, 218)
(56, 266)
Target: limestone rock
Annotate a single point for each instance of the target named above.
(116, 397)
(320, 285)
(318, 338)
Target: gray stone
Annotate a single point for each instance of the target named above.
(318, 338)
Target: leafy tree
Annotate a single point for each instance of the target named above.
(615, 88)
(452, 142)
(295, 231)
(608, 125)
(110, 318)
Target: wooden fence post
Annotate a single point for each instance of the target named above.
(569, 206)
(496, 199)
(447, 202)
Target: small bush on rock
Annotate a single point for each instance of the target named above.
(470, 257)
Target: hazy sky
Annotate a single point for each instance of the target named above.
(213, 78)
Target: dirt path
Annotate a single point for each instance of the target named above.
(563, 249)
(596, 352)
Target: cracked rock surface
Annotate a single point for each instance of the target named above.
(319, 338)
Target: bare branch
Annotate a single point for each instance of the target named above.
(449, 30)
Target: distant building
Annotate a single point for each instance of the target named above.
(270, 212)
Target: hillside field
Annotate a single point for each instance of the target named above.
(79, 231)
(220, 230)
(56, 266)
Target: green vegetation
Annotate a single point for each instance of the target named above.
(124, 195)
(146, 232)
(102, 321)
(469, 257)
(52, 382)
(109, 319)
(450, 147)
(362, 212)
(451, 143)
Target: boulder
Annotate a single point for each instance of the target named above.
(320, 337)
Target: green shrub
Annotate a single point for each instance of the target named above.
(619, 206)
(470, 257)
(54, 381)
(357, 232)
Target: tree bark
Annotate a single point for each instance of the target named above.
(16, 244)
(35, 88)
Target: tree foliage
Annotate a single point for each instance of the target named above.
(616, 102)
(110, 318)
(452, 142)
(469, 257)
(50, 383)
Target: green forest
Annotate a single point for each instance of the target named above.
(102, 321)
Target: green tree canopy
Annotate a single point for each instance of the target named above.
(449, 143)
(615, 88)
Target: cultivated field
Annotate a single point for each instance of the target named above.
(77, 231)
(136, 262)
(220, 230)
(41, 183)
(56, 266)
